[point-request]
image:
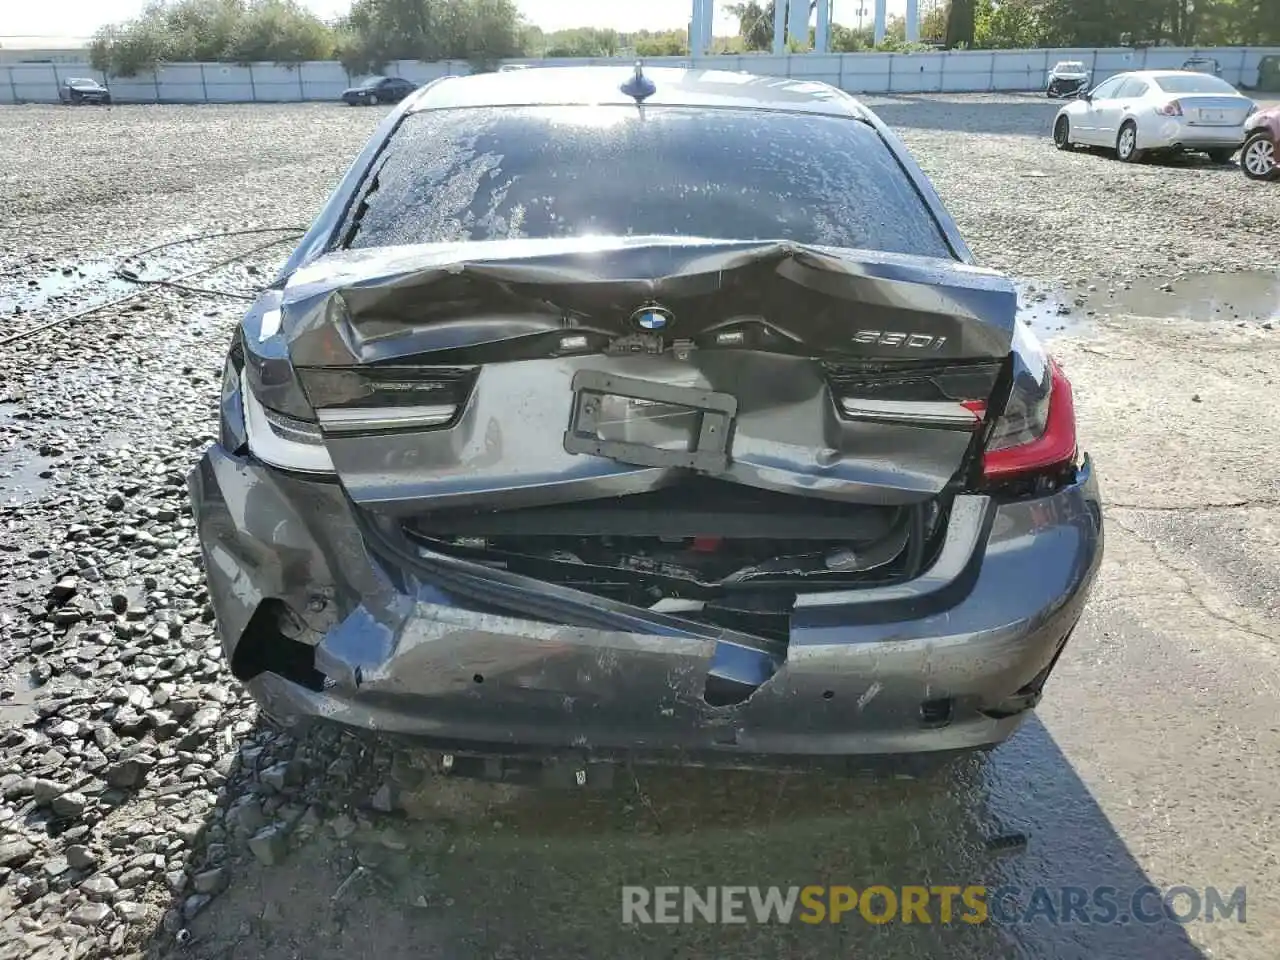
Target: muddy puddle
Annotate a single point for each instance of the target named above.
(1249, 297)
(20, 697)
(82, 285)
(18, 703)
(20, 468)
(65, 289)
(32, 456)
(1246, 298)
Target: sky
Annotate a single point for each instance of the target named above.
(52, 18)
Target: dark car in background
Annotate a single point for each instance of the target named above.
(1269, 74)
(378, 90)
(665, 417)
(1203, 65)
(83, 90)
(1262, 140)
(1067, 78)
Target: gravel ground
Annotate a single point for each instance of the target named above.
(146, 808)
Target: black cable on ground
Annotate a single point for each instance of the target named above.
(248, 231)
(177, 283)
(131, 277)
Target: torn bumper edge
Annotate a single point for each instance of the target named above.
(402, 655)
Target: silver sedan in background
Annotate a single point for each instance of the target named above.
(1157, 110)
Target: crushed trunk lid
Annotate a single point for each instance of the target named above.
(515, 374)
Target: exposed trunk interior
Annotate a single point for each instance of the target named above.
(703, 549)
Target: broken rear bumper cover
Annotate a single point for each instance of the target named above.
(952, 660)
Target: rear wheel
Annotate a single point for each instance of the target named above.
(1127, 143)
(1062, 134)
(1221, 156)
(1258, 158)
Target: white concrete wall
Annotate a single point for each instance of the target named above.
(952, 71)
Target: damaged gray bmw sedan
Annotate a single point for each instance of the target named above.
(662, 417)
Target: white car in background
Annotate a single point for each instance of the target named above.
(1157, 110)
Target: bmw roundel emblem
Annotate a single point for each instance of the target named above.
(652, 317)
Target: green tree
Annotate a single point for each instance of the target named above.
(1008, 24)
(378, 31)
(490, 31)
(211, 31)
(280, 31)
(933, 20)
(849, 39)
(1095, 23)
(960, 23)
(583, 42)
(755, 23)
(666, 43)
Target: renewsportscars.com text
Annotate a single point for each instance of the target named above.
(971, 904)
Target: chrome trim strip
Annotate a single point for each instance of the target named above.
(358, 419)
(946, 414)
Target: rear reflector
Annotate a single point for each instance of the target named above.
(1055, 447)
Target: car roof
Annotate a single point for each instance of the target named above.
(1156, 74)
(595, 86)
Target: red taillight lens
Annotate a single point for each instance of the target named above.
(1054, 447)
(1170, 109)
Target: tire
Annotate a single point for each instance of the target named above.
(1127, 143)
(76, 99)
(1258, 158)
(1221, 156)
(371, 100)
(1062, 133)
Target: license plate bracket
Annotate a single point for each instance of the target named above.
(708, 451)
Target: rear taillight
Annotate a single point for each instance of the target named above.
(280, 440)
(1037, 432)
(1171, 109)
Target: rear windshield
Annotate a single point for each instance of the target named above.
(1200, 83)
(543, 172)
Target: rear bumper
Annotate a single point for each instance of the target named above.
(951, 661)
(1178, 134)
